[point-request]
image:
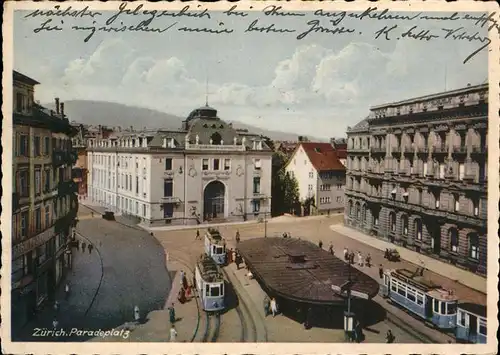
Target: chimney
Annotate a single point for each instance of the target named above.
(57, 105)
(62, 109)
(131, 128)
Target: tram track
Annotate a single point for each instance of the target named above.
(212, 328)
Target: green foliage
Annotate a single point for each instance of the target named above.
(284, 188)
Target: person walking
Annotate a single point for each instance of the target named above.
(320, 244)
(171, 313)
(183, 275)
(55, 323)
(173, 333)
(274, 307)
(330, 249)
(78, 244)
(90, 248)
(369, 260)
(390, 337)
(360, 259)
(381, 271)
(197, 235)
(346, 253)
(267, 306)
(233, 255)
(237, 236)
(184, 282)
(66, 291)
(83, 247)
(137, 314)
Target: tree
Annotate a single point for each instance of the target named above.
(284, 188)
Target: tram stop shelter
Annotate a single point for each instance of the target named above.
(300, 274)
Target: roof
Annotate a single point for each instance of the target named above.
(299, 270)
(360, 126)
(322, 156)
(474, 308)
(17, 76)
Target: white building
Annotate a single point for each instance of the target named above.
(207, 171)
(320, 175)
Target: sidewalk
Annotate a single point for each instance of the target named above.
(463, 277)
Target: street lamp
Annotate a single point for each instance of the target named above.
(348, 316)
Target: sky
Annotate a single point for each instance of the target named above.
(317, 86)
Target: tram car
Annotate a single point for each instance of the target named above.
(471, 323)
(210, 284)
(426, 300)
(215, 246)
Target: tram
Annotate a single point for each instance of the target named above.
(215, 246)
(436, 306)
(210, 284)
(422, 297)
(471, 323)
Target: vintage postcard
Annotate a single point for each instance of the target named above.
(250, 177)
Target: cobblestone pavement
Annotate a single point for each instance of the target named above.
(133, 273)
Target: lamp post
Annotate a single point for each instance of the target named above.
(345, 288)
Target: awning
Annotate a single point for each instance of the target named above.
(393, 192)
(405, 194)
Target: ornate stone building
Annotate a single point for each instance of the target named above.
(206, 171)
(44, 203)
(417, 175)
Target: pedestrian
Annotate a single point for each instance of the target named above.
(330, 249)
(267, 306)
(173, 333)
(346, 253)
(360, 259)
(274, 307)
(197, 235)
(238, 261)
(184, 282)
(181, 296)
(55, 323)
(390, 337)
(369, 260)
(320, 244)
(66, 291)
(171, 313)
(386, 254)
(90, 248)
(233, 255)
(188, 291)
(78, 244)
(183, 275)
(237, 236)
(56, 306)
(307, 323)
(92, 214)
(83, 247)
(381, 271)
(137, 314)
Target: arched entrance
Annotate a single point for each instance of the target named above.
(213, 200)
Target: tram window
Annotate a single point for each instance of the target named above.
(482, 327)
(213, 250)
(420, 299)
(215, 291)
(451, 308)
(443, 310)
(393, 285)
(207, 290)
(436, 306)
(411, 295)
(218, 250)
(402, 289)
(222, 289)
(461, 318)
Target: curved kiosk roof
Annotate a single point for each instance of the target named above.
(299, 270)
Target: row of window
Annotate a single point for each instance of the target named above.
(328, 187)
(407, 291)
(325, 200)
(464, 320)
(42, 218)
(41, 147)
(25, 264)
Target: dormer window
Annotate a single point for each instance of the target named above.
(168, 143)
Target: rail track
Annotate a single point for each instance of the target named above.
(212, 328)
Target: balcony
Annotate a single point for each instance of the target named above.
(260, 195)
(440, 149)
(396, 150)
(378, 150)
(170, 199)
(67, 188)
(422, 150)
(479, 150)
(409, 150)
(459, 150)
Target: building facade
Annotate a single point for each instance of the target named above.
(417, 175)
(44, 204)
(207, 171)
(319, 174)
(80, 170)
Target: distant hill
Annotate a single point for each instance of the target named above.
(115, 114)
